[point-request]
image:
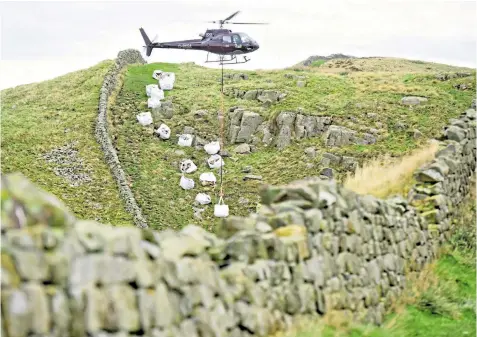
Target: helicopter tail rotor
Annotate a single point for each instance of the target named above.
(149, 44)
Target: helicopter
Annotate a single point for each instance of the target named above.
(223, 42)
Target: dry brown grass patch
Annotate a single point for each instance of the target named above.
(383, 177)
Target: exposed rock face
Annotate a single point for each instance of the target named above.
(448, 76)
(285, 122)
(329, 158)
(339, 136)
(412, 100)
(327, 172)
(349, 163)
(165, 111)
(310, 126)
(271, 96)
(242, 148)
(297, 256)
(310, 152)
(250, 95)
(248, 127)
(314, 58)
(240, 76)
(252, 177)
(243, 125)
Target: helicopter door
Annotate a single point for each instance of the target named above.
(237, 41)
(227, 44)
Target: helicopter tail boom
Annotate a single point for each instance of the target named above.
(149, 44)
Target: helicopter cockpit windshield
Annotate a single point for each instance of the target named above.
(245, 38)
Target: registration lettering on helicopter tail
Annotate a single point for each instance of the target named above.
(184, 45)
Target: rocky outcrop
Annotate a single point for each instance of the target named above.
(124, 58)
(314, 58)
(348, 163)
(337, 136)
(263, 96)
(237, 76)
(165, 111)
(310, 126)
(413, 100)
(285, 122)
(448, 76)
(242, 125)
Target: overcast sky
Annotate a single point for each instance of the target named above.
(42, 40)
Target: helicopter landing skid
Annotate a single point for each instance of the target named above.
(223, 60)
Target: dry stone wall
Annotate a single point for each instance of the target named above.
(314, 248)
(124, 58)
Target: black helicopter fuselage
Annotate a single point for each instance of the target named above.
(216, 41)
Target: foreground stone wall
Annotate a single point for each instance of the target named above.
(314, 248)
(124, 58)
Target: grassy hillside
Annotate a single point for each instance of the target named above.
(47, 130)
(336, 63)
(350, 97)
(48, 127)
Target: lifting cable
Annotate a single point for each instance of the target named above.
(221, 120)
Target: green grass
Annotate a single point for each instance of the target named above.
(40, 117)
(317, 63)
(152, 164)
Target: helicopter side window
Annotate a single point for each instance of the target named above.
(227, 39)
(236, 39)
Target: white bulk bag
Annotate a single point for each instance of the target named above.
(157, 93)
(153, 103)
(188, 166)
(207, 178)
(221, 210)
(170, 76)
(185, 140)
(203, 199)
(144, 118)
(164, 131)
(186, 183)
(151, 87)
(156, 74)
(166, 83)
(215, 161)
(212, 148)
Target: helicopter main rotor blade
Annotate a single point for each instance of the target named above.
(231, 16)
(246, 23)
